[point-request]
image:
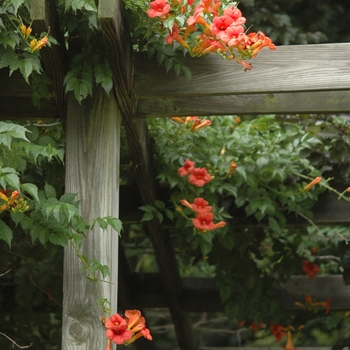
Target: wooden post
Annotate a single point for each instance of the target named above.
(92, 162)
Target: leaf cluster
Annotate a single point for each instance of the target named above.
(49, 219)
(256, 249)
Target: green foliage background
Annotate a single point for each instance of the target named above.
(31, 290)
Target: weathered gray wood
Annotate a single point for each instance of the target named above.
(291, 79)
(119, 51)
(320, 287)
(279, 103)
(92, 172)
(297, 68)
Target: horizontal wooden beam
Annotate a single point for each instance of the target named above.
(294, 68)
(16, 100)
(270, 103)
(202, 295)
(16, 108)
(291, 79)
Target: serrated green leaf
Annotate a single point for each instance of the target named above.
(31, 189)
(5, 233)
(9, 180)
(16, 4)
(50, 192)
(59, 238)
(78, 239)
(17, 217)
(105, 271)
(69, 210)
(16, 131)
(102, 223)
(68, 197)
(115, 223)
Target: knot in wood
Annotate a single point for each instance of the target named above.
(77, 332)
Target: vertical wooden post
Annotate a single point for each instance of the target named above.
(92, 168)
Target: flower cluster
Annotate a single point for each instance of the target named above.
(310, 269)
(194, 122)
(278, 331)
(34, 44)
(204, 220)
(312, 305)
(126, 330)
(204, 26)
(12, 202)
(196, 176)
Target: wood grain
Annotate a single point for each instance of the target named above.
(119, 53)
(269, 103)
(92, 160)
(296, 68)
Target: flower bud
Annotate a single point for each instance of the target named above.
(23, 29)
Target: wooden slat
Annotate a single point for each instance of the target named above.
(16, 99)
(320, 287)
(202, 295)
(12, 108)
(14, 85)
(92, 152)
(297, 68)
(279, 103)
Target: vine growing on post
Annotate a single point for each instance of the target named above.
(47, 219)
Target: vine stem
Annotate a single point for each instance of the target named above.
(14, 343)
(93, 279)
(325, 185)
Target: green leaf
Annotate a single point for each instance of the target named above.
(17, 217)
(59, 238)
(13, 130)
(5, 233)
(9, 180)
(159, 216)
(169, 214)
(50, 192)
(16, 4)
(102, 223)
(69, 211)
(115, 223)
(31, 189)
(147, 216)
(148, 208)
(68, 197)
(159, 204)
(105, 271)
(205, 247)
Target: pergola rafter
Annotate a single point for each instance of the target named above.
(292, 79)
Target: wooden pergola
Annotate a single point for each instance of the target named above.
(292, 79)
